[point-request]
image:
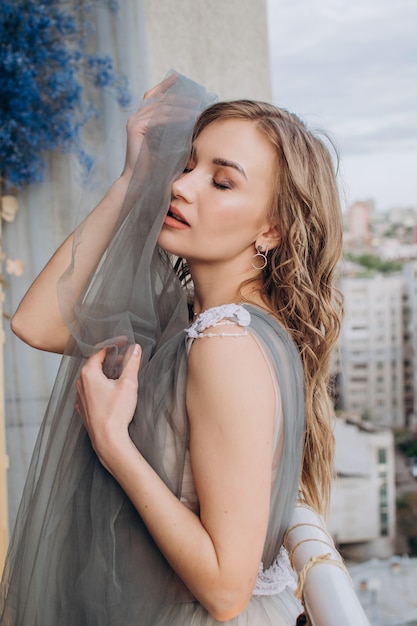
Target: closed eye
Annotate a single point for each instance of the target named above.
(222, 186)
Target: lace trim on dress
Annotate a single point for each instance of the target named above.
(276, 578)
(233, 314)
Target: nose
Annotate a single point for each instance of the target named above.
(182, 187)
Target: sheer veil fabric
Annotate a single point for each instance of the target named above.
(79, 553)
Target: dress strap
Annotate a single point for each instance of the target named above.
(220, 316)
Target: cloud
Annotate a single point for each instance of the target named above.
(349, 66)
(389, 178)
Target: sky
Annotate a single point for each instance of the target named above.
(350, 67)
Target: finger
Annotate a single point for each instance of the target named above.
(79, 396)
(159, 113)
(78, 405)
(95, 361)
(97, 358)
(78, 408)
(132, 364)
(116, 350)
(162, 86)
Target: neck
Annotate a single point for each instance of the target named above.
(214, 286)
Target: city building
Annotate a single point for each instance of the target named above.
(357, 225)
(362, 508)
(410, 356)
(372, 352)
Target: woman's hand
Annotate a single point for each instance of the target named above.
(142, 119)
(107, 406)
(157, 109)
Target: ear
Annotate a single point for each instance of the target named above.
(269, 238)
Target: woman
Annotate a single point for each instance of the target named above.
(169, 505)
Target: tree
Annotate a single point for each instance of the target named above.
(375, 263)
(407, 443)
(406, 519)
(47, 72)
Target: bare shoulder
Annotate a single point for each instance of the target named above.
(229, 373)
(224, 344)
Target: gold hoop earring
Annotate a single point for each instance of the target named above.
(262, 259)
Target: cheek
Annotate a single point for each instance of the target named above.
(231, 212)
(241, 217)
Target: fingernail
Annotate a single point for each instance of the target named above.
(136, 349)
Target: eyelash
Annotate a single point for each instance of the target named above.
(214, 183)
(219, 186)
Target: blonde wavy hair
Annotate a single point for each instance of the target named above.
(298, 281)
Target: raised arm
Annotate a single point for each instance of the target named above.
(231, 407)
(38, 320)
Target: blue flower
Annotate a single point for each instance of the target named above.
(48, 79)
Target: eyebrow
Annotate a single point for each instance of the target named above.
(223, 162)
(227, 163)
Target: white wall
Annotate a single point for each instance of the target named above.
(222, 44)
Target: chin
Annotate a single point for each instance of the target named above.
(167, 245)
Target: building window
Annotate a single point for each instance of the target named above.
(384, 523)
(382, 456)
(383, 492)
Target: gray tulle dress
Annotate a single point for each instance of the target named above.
(80, 554)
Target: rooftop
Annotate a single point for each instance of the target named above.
(387, 590)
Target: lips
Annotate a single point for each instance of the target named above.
(176, 215)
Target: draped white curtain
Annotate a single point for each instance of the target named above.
(145, 39)
(47, 214)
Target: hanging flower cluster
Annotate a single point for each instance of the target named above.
(49, 71)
